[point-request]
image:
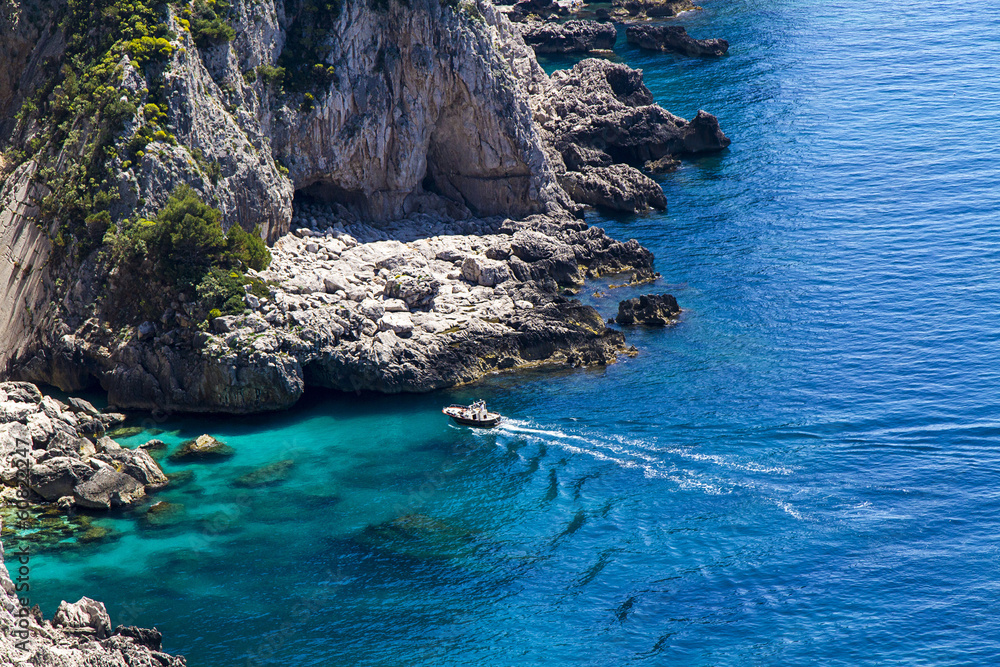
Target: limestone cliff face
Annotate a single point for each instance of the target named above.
(425, 102)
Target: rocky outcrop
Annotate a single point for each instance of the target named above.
(600, 114)
(416, 305)
(647, 9)
(568, 37)
(79, 635)
(536, 10)
(673, 38)
(601, 111)
(203, 448)
(56, 451)
(617, 187)
(652, 309)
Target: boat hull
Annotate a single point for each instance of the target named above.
(456, 414)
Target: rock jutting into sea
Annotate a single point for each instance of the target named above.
(203, 448)
(600, 123)
(652, 309)
(673, 38)
(568, 37)
(78, 635)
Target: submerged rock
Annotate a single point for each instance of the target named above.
(125, 432)
(203, 448)
(568, 37)
(163, 514)
(653, 309)
(272, 473)
(180, 478)
(673, 38)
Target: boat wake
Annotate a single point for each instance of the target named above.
(710, 473)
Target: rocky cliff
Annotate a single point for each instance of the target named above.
(426, 123)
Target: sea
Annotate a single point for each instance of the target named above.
(805, 470)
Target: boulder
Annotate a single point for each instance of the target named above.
(484, 271)
(618, 188)
(399, 323)
(84, 615)
(203, 448)
(416, 292)
(653, 309)
(568, 37)
(41, 428)
(664, 165)
(21, 392)
(58, 476)
(673, 38)
(138, 464)
(108, 488)
(83, 407)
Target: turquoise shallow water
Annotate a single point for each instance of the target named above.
(803, 471)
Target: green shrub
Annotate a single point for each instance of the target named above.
(187, 237)
(249, 249)
(183, 250)
(208, 23)
(215, 312)
(271, 75)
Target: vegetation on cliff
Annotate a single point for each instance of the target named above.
(184, 251)
(71, 124)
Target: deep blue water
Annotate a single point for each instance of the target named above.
(806, 470)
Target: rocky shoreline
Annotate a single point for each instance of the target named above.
(56, 457)
(79, 633)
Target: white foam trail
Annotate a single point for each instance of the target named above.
(630, 453)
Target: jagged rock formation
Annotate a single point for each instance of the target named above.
(646, 9)
(600, 114)
(568, 37)
(618, 187)
(652, 309)
(44, 445)
(673, 38)
(536, 9)
(79, 635)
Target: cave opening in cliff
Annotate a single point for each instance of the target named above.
(326, 193)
